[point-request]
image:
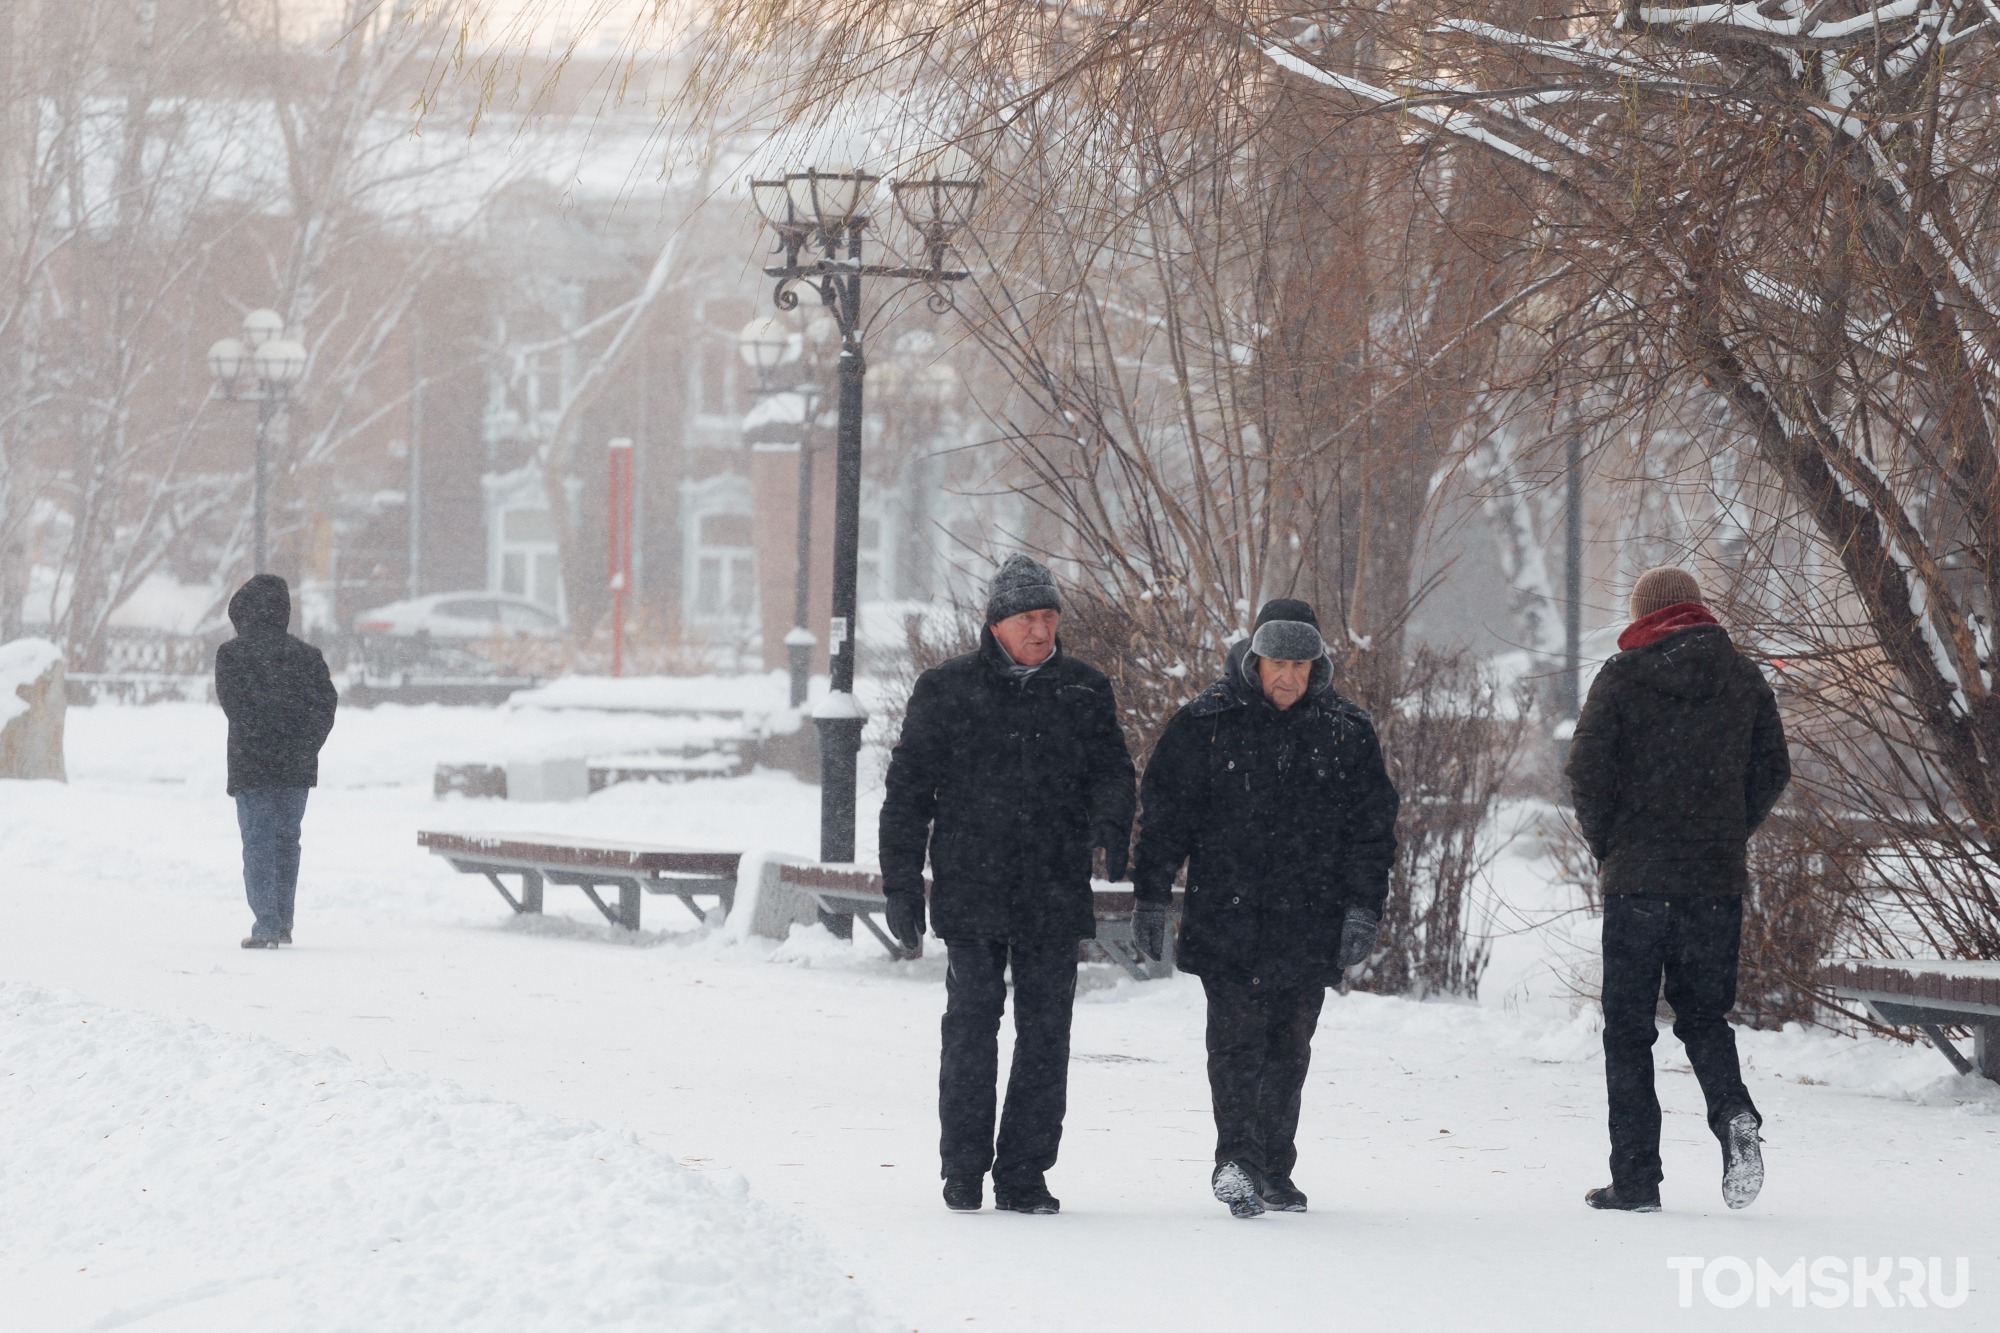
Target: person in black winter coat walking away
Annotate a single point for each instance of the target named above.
(1271, 787)
(1010, 770)
(279, 699)
(1678, 756)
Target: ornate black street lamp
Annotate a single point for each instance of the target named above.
(820, 215)
(262, 366)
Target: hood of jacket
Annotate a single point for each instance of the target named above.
(1667, 620)
(1688, 664)
(262, 606)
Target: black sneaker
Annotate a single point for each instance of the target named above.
(284, 937)
(1742, 1161)
(964, 1194)
(1607, 1197)
(1034, 1199)
(252, 942)
(1235, 1184)
(1280, 1195)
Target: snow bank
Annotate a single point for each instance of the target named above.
(22, 662)
(229, 1173)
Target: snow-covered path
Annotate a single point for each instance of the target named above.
(1445, 1146)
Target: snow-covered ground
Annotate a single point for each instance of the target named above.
(430, 1114)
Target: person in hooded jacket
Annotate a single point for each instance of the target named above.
(1271, 788)
(1678, 756)
(279, 699)
(1010, 770)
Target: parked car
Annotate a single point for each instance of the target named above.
(438, 636)
(461, 616)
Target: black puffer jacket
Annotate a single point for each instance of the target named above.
(1003, 782)
(1678, 756)
(1285, 819)
(275, 691)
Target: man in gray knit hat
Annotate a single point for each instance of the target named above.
(1011, 770)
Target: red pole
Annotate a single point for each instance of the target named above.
(618, 541)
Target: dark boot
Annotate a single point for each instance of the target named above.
(964, 1194)
(284, 937)
(252, 942)
(1607, 1197)
(1034, 1198)
(1742, 1161)
(1280, 1195)
(1235, 1183)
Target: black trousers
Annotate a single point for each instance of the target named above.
(1259, 1047)
(1691, 942)
(975, 989)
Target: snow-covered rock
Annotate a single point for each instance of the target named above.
(32, 704)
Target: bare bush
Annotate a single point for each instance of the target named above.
(1449, 736)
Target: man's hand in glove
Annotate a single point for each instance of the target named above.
(1357, 936)
(1149, 929)
(1117, 845)
(906, 920)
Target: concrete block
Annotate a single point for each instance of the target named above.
(548, 780)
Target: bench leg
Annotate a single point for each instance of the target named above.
(1986, 1050)
(1949, 1051)
(611, 914)
(896, 951)
(628, 904)
(839, 924)
(1116, 939)
(531, 891)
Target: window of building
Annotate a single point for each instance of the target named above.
(720, 561)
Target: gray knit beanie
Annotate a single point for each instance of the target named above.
(1021, 585)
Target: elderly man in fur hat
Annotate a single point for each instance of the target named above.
(1270, 787)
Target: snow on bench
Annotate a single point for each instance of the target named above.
(589, 864)
(1930, 994)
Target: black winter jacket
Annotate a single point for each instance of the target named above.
(275, 691)
(1678, 756)
(1003, 783)
(1285, 819)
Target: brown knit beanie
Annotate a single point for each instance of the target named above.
(1661, 588)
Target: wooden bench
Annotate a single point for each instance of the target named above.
(590, 864)
(845, 891)
(1929, 994)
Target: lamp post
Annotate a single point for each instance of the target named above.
(821, 216)
(262, 366)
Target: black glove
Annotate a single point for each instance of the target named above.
(1357, 936)
(906, 920)
(1149, 929)
(1117, 845)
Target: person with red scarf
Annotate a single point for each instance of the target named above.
(1678, 756)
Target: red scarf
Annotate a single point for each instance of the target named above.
(1667, 620)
